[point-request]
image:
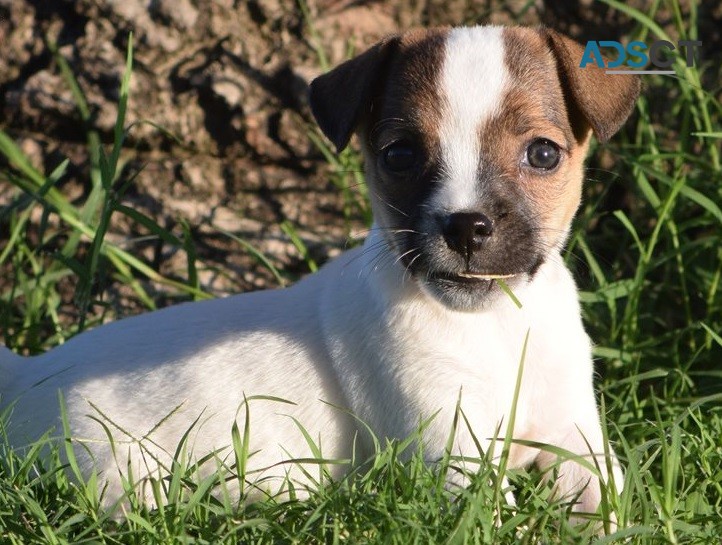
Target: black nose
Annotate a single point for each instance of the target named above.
(464, 232)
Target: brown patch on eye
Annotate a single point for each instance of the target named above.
(534, 107)
(406, 107)
(410, 95)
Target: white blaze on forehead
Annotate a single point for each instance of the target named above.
(473, 80)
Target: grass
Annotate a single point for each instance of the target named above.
(646, 250)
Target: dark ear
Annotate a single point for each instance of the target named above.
(594, 99)
(341, 97)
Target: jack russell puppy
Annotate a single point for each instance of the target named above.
(474, 142)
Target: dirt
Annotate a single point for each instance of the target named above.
(227, 82)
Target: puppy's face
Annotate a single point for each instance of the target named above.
(471, 160)
(474, 141)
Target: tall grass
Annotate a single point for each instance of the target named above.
(75, 233)
(646, 249)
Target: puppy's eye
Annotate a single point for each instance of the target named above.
(543, 154)
(400, 156)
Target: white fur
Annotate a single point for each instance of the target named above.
(356, 337)
(473, 82)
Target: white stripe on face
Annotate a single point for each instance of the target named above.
(473, 82)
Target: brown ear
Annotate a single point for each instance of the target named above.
(341, 97)
(594, 99)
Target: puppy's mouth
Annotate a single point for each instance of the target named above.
(468, 277)
(482, 276)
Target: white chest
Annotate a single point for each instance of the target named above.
(413, 360)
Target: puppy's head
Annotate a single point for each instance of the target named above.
(474, 141)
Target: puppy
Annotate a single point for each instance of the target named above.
(474, 142)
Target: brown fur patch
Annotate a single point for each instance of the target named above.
(534, 107)
(407, 107)
(410, 94)
(551, 97)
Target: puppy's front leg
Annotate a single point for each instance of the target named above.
(581, 435)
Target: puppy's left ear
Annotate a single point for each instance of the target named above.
(595, 99)
(341, 97)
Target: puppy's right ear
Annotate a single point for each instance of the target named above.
(340, 98)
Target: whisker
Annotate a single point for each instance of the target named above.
(390, 205)
(391, 230)
(365, 251)
(404, 255)
(411, 263)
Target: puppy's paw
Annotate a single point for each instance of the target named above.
(586, 489)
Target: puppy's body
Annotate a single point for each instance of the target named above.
(392, 362)
(396, 331)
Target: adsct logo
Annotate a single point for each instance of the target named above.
(636, 56)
